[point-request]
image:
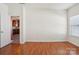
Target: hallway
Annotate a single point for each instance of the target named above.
(16, 39)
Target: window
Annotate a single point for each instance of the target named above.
(74, 26)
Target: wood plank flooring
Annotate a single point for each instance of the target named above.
(40, 48)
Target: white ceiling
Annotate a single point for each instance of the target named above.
(61, 6)
(56, 6)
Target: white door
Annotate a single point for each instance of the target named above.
(5, 26)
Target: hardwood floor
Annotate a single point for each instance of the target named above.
(40, 48)
(13, 49)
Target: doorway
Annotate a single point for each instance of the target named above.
(15, 36)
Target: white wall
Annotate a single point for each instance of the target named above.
(15, 9)
(73, 12)
(43, 24)
(39, 23)
(5, 26)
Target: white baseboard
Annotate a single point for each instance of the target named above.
(74, 40)
(76, 44)
(45, 40)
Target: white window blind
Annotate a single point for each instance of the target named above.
(74, 25)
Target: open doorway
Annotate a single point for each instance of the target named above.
(15, 29)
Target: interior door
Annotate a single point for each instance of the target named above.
(5, 26)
